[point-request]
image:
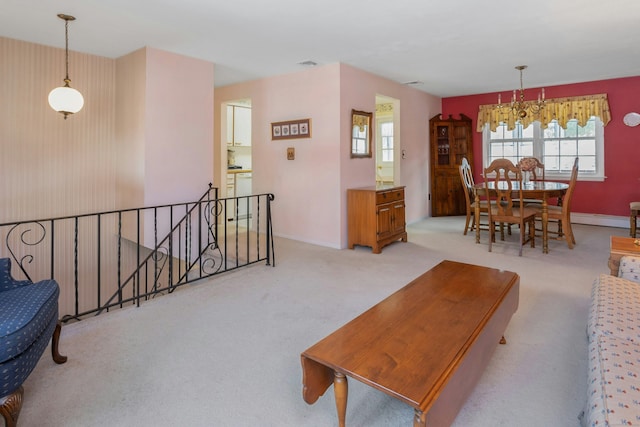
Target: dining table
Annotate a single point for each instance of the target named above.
(538, 190)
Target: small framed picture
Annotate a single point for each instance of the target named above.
(291, 129)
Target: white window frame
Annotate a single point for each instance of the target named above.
(538, 144)
(381, 123)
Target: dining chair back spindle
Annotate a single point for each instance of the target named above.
(507, 179)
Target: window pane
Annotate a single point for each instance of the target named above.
(587, 147)
(572, 129)
(589, 129)
(568, 148)
(587, 164)
(552, 131)
(552, 164)
(566, 164)
(526, 149)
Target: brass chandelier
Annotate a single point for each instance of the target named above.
(518, 106)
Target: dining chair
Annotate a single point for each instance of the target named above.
(466, 177)
(504, 175)
(562, 214)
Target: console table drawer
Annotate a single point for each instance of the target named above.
(389, 196)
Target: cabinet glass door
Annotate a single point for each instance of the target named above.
(442, 145)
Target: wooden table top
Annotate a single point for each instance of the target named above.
(528, 187)
(624, 245)
(429, 324)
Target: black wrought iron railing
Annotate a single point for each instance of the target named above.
(123, 257)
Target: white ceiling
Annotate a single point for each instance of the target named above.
(455, 47)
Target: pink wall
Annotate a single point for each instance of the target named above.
(130, 128)
(164, 131)
(178, 127)
(358, 91)
(622, 184)
(310, 191)
(305, 206)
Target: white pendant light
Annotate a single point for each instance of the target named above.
(65, 99)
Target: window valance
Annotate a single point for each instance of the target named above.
(560, 109)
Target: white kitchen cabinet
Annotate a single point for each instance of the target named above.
(238, 126)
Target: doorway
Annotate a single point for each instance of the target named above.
(237, 152)
(387, 123)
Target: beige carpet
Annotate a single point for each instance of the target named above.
(226, 352)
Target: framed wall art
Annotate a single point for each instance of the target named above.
(291, 129)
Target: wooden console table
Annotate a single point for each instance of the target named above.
(375, 216)
(426, 345)
(621, 246)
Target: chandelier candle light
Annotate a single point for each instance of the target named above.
(518, 106)
(65, 99)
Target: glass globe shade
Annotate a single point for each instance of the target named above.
(66, 100)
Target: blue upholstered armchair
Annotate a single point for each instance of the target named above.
(28, 320)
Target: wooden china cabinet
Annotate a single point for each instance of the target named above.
(451, 140)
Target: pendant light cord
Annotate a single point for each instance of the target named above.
(66, 50)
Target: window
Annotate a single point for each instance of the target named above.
(555, 147)
(386, 135)
(359, 142)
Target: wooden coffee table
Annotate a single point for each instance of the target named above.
(621, 246)
(426, 345)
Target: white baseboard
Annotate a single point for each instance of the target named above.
(602, 220)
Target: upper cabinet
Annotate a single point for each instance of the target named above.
(238, 125)
(451, 141)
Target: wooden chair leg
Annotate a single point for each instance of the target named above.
(522, 234)
(632, 220)
(55, 340)
(568, 234)
(492, 233)
(532, 233)
(466, 225)
(10, 407)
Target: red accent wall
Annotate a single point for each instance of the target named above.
(621, 142)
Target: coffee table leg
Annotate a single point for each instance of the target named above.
(341, 389)
(419, 419)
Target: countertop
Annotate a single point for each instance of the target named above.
(238, 171)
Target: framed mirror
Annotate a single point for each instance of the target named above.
(361, 133)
